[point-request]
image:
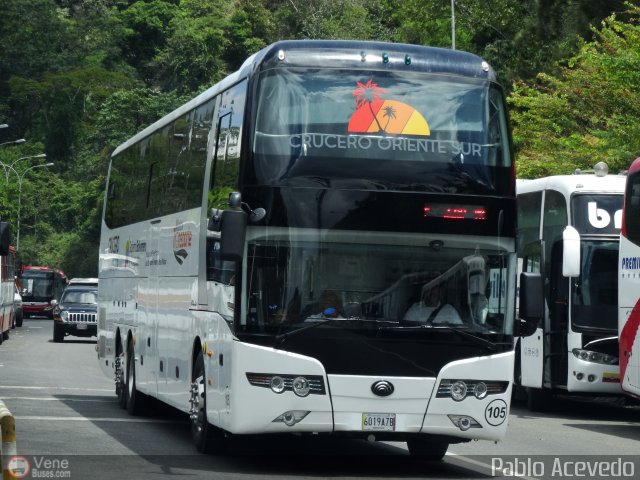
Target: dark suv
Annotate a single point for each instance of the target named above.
(76, 313)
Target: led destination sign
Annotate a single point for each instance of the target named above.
(456, 212)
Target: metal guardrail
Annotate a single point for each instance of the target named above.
(8, 445)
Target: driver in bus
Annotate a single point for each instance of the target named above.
(430, 309)
(330, 306)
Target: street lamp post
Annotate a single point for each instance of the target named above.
(13, 142)
(5, 166)
(20, 178)
(453, 25)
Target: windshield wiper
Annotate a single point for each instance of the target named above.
(280, 339)
(463, 333)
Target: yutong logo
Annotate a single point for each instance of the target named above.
(382, 388)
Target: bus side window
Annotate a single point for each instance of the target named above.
(553, 224)
(632, 205)
(218, 270)
(226, 168)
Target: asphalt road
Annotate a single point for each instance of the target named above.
(69, 425)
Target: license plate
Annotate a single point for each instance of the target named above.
(379, 421)
(82, 326)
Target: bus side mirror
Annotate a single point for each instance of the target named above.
(233, 228)
(5, 234)
(570, 252)
(531, 304)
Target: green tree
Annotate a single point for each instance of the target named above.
(331, 19)
(147, 27)
(250, 28)
(588, 113)
(194, 55)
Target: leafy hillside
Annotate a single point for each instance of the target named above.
(77, 77)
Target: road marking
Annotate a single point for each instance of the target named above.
(96, 419)
(84, 389)
(56, 399)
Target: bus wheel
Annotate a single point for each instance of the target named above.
(206, 437)
(135, 400)
(121, 391)
(538, 399)
(427, 448)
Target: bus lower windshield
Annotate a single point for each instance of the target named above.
(294, 280)
(594, 303)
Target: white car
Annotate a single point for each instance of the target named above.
(17, 308)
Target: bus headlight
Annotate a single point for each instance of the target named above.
(277, 384)
(458, 390)
(480, 390)
(301, 386)
(595, 357)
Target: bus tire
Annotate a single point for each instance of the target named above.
(206, 437)
(427, 448)
(58, 333)
(135, 400)
(538, 399)
(121, 388)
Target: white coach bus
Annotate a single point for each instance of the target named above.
(568, 235)
(262, 243)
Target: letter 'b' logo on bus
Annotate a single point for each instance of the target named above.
(600, 218)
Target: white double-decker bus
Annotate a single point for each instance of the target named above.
(629, 284)
(568, 235)
(262, 244)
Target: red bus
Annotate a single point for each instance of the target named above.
(39, 286)
(628, 284)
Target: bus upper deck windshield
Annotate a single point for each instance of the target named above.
(393, 129)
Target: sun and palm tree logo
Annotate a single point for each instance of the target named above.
(375, 115)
